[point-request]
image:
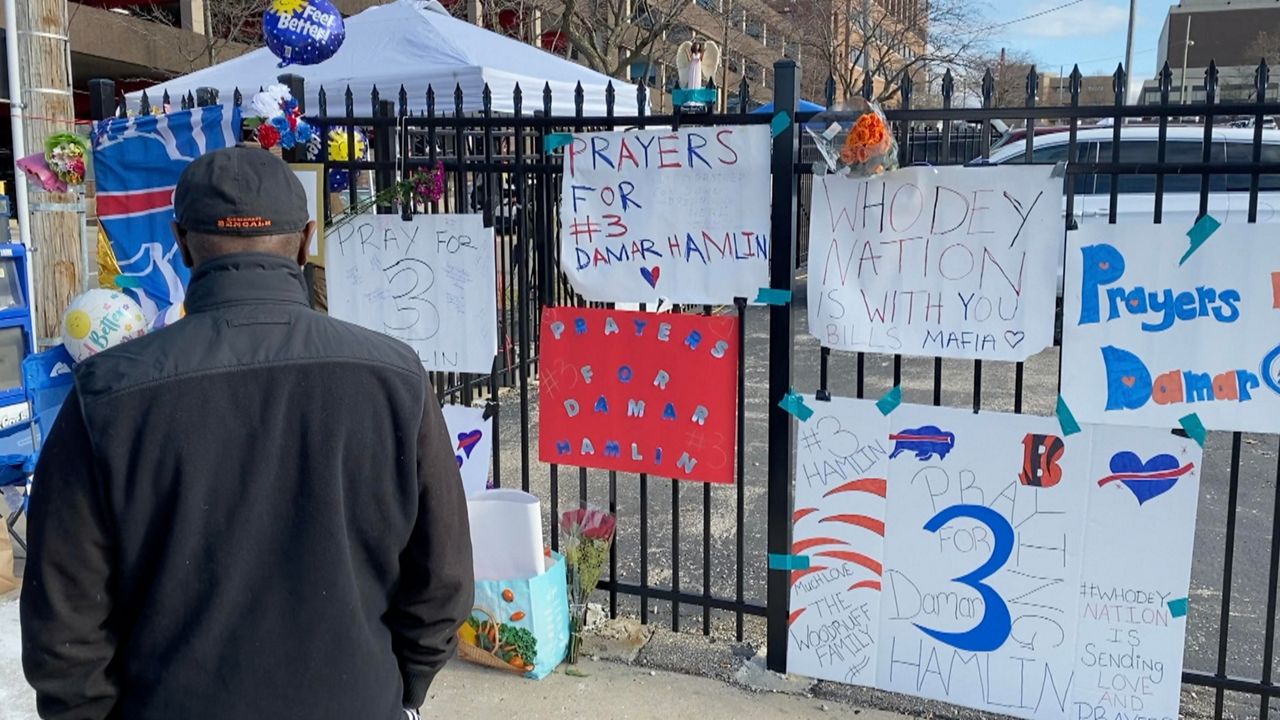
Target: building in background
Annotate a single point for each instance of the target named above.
(139, 42)
(844, 39)
(752, 35)
(1235, 34)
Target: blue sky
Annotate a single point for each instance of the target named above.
(1089, 32)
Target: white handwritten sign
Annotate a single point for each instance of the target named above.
(1137, 557)
(983, 559)
(842, 463)
(1011, 563)
(948, 262)
(677, 215)
(1147, 341)
(428, 282)
(471, 434)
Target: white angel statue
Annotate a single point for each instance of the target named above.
(697, 62)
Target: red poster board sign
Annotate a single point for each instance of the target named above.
(639, 392)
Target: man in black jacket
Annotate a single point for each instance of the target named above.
(252, 514)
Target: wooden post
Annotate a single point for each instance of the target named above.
(57, 222)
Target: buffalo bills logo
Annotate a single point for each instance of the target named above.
(1040, 457)
(1146, 480)
(925, 441)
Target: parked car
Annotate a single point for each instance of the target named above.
(1020, 135)
(1268, 123)
(1228, 193)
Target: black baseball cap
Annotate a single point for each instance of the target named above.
(241, 191)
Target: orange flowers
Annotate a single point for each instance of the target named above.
(868, 138)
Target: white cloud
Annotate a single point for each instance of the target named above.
(1091, 17)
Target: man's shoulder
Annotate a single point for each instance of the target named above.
(360, 342)
(207, 343)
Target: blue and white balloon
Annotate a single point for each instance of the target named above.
(339, 180)
(303, 32)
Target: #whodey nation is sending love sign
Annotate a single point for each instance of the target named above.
(660, 214)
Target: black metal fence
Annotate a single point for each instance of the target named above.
(689, 554)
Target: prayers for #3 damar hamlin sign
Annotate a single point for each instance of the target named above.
(659, 214)
(947, 262)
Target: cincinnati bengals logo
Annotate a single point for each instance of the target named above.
(1040, 456)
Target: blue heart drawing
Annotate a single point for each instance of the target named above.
(651, 275)
(1146, 480)
(467, 441)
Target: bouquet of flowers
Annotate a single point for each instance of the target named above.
(862, 147)
(588, 535)
(65, 155)
(279, 119)
(421, 186)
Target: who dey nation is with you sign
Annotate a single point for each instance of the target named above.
(945, 262)
(639, 392)
(659, 214)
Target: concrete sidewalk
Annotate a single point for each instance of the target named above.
(616, 691)
(606, 689)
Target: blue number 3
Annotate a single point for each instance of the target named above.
(994, 628)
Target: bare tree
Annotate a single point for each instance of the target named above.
(1266, 45)
(605, 35)
(229, 25)
(890, 41)
(1009, 69)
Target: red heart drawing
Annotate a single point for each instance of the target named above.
(651, 275)
(1128, 380)
(1104, 265)
(1133, 302)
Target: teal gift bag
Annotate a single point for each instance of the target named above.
(520, 626)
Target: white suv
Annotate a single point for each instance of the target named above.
(1136, 198)
(1228, 193)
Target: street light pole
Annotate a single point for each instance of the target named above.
(1128, 50)
(21, 208)
(1186, 47)
(866, 37)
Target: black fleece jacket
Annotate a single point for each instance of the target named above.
(254, 513)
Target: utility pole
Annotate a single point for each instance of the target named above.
(57, 225)
(1128, 49)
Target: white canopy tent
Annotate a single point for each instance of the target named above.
(415, 43)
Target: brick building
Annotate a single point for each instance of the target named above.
(1226, 32)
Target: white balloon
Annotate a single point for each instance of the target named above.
(100, 319)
